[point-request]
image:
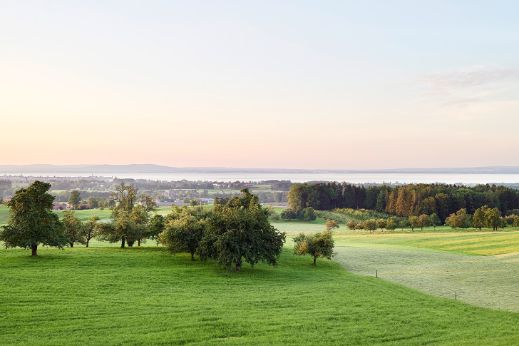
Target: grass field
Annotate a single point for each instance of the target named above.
(103, 214)
(146, 295)
(472, 243)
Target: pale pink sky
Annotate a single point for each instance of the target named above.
(292, 85)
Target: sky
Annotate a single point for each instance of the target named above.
(271, 84)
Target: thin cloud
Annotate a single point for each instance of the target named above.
(471, 77)
(465, 87)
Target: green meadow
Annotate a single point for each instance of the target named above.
(433, 287)
(146, 295)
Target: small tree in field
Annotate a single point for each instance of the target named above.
(434, 220)
(391, 224)
(371, 225)
(331, 224)
(316, 245)
(459, 219)
(352, 224)
(413, 222)
(424, 221)
(73, 228)
(31, 220)
(493, 218)
(90, 229)
(479, 218)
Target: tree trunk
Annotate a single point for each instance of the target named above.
(238, 265)
(123, 242)
(34, 250)
(192, 256)
(315, 260)
(139, 242)
(87, 242)
(71, 244)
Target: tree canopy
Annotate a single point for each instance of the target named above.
(239, 231)
(32, 221)
(316, 245)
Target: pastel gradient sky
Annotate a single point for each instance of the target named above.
(281, 84)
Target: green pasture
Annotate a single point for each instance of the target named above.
(148, 296)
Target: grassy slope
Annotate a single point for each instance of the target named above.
(480, 243)
(108, 295)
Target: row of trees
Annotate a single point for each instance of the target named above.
(405, 200)
(237, 230)
(483, 217)
(392, 223)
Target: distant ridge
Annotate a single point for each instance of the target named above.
(151, 168)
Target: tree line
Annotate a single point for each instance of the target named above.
(235, 231)
(404, 200)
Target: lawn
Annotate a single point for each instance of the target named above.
(146, 295)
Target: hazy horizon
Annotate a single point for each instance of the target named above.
(284, 85)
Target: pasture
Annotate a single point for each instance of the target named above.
(146, 295)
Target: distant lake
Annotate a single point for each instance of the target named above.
(302, 177)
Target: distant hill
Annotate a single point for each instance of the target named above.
(151, 168)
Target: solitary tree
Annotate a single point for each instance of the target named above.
(74, 199)
(316, 245)
(31, 220)
(73, 228)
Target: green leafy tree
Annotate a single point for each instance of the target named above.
(239, 231)
(371, 225)
(90, 229)
(123, 228)
(479, 219)
(459, 219)
(414, 222)
(424, 221)
(391, 224)
(155, 226)
(316, 245)
(31, 220)
(184, 233)
(73, 228)
(74, 199)
(493, 218)
(309, 214)
(434, 220)
(139, 217)
(148, 202)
